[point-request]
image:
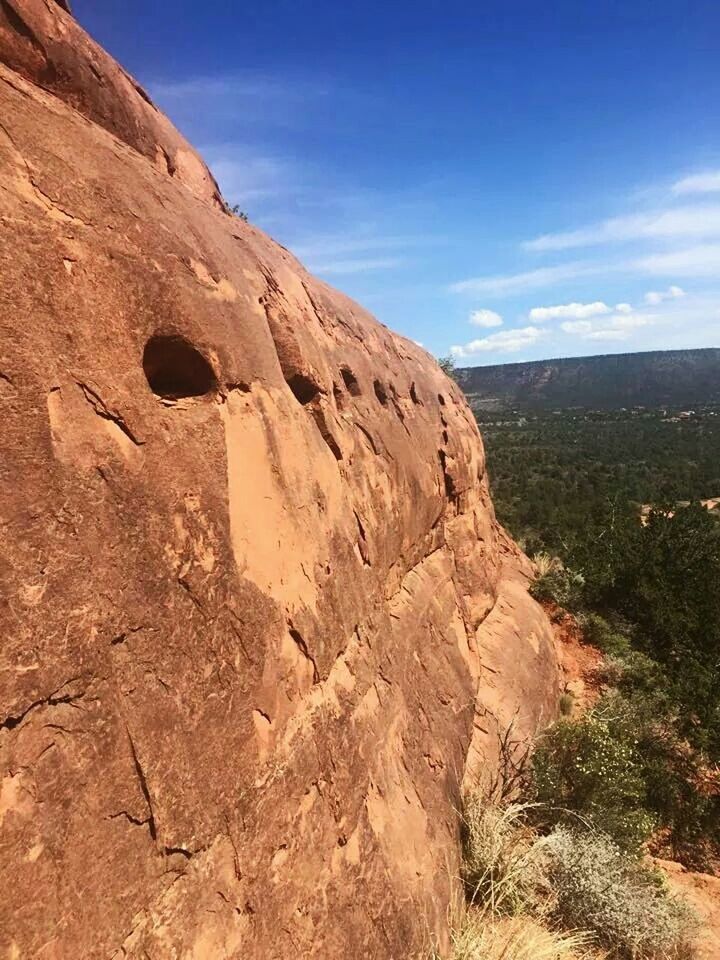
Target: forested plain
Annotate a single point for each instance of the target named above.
(611, 502)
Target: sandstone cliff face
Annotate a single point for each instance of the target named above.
(258, 619)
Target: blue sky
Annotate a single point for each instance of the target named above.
(508, 179)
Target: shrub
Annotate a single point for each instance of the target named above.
(596, 887)
(588, 767)
(681, 789)
(641, 675)
(524, 887)
(559, 585)
(612, 639)
(637, 676)
(624, 767)
(662, 577)
(447, 365)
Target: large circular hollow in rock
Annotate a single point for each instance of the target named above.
(176, 369)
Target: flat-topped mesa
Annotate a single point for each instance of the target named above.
(258, 617)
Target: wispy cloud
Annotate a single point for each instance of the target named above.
(325, 245)
(338, 267)
(505, 341)
(508, 284)
(247, 176)
(700, 261)
(696, 221)
(708, 182)
(240, 101)
(485, 318)
(332, 254)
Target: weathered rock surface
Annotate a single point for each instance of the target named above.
(256, 611)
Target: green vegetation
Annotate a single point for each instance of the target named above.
(566, 704)
(552, 474)
(606, 501)
(642, 765)
(447, 365)
(589, 768)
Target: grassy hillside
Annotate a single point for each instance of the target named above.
(680, 378)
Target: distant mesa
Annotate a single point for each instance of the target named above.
(680, 379)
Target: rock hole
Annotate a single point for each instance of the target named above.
(380, 392)
(413, 394)
(304, 389)
(441, 400)
(175, 369)
(350, 381)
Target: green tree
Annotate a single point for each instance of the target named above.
(447, 365)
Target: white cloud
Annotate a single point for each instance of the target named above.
(699, 221)
(625, 322)
(576, 311)
(618, 327)
(576, 326)
(657, 296)
(698, 183)
(505, 341)
(623, 308)
(485, 318)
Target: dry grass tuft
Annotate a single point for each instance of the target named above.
(502, 862)
(545, 564)
(517, 938)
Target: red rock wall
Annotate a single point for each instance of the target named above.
(254, 604)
